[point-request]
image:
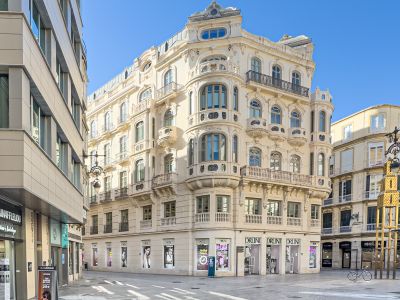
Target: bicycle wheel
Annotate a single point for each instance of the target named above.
(366, 275)
(352, 276)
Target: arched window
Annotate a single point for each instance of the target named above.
(255, 109)
(276, 161)
(168, 78)
(255, 157)
(295, 163)
(256, 65)
(168, 163)
(322, 121)
(123, 112)
(146, 94)
(191, 152)
(213, 147)
(235, 99)
(295, 119)
(191, 104)
(93, 129)
(168, 118)
(321, 164)
(139, 170)
(139, 131)
(296, 79)
(276, 72)
(276, 115)
(147, 66)
(235, 149)
(213, 96)
(107, 121)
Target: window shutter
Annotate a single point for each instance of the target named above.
(367, 182)
(340, 188)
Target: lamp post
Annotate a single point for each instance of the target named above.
(96, 170)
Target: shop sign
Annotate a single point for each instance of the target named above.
(47, 283)
(292, 242)
(55, 232)
(367, 244)
(345, 245)
(64, 239)
(274, 241)
(253, 240)
(8, 229)
(13, 217)
(327, 246)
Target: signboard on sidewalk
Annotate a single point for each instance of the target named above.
(47, 283)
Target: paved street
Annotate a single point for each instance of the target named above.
(327, 285)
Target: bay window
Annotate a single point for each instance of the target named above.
(213, 147)
(213, 96)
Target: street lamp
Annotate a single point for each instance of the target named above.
(96, 170)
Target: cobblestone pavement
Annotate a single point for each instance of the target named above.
(326, 285)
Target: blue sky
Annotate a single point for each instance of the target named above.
(356, 42)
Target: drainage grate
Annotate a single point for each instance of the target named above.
(195, 288)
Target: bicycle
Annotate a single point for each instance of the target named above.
(364, 273)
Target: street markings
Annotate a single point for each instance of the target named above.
(185, 291)
(158, 286)
(118, 282)
(226, 296)
(351, 295)
(139, 295)
(133, 286)
(162, 297)
(169, 297)
(102, 289)
(109, 282)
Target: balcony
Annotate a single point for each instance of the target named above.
(141, 106)
(297, 137)
(167, 136)
(170, 221)
(257, 128)
(294, 221)
(140, 146)
(253, 219)
(165, 184)
(345, 198)
(315, 223)
(275, 83)
(222, 217)
(121, 192)
(344, 229)
(105, 197)
(123, 226)
(371, 195)
(327, 231)
(146, 224)
(107, 129)
(94, 229)
(276, 132)
(141, 189)
(168, 91)
(122, 158)
(107, 228)
(274, 220)
(213, 115)
(370, 227)
(202, 218)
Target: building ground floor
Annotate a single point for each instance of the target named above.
(236, 253)
(28, 240)
(351, 253)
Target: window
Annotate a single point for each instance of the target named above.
(255, 157)
(375, 154)
(123, 179)
(139, 170)
(95, 220)
(255, 109)
(371, 215)
(3, 5)
(311, 163)
(276, 115)
(93, 129)
(168, 118)
(327, 220)
(40, 127)
(275, 161)
(322, 121)
(378, 122)
(314, 212)
(332, 165)
(76, 112)
(139, 131)
(107, 154)
(214, 33)
(123, 146)
(274, 208)
(61, 155)
(213, 96)
(345, 217)
(76, 173)
(295, 163)
(4, 100)
(35, 121)
(252, 206)
(145, 95)
(64, 9)
(344, 189)
(213, 147)
(124, 216)
(147, 212)
(296, 79)
(235, 149)
(373, 186)
(235, 99)
(37, 26)
(223, 204)
(347, 131)
(256, 65)
(312, 121)
(276, 73)
(123, 112)
(293, 210)
(295, 119)
(203, 204)
(107, 121)
(321, 164)
(61, 79)
(191, 152)
(153, 128)
(168, 163)
(168, 78)
(107, 183)
(108, 218)
(170, 209)
(147, 66)
(191, 104)
(346, 160)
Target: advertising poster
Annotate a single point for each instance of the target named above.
(202, 257)
(146, 257)
(47, 283)
(222, 253)
(55, 232)
(313, 257)
(5, 279)
(124, 256)
(169, 256)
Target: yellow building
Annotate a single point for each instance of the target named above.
(214, 147)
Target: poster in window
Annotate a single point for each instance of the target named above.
(146, 254)
(169, 256)
(202, 257)
(313, 257)
(109, 256)
(124, 257)
(222, 256)
(95, 256)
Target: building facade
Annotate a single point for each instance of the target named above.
(356, 169)
(213, 146)
(42, 140)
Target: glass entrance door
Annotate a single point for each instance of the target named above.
(346, 259)
(252, 259)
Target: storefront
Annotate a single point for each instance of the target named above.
(292, 256)
(222, 255)
(327, 255)
(202, 252)
(169, 253)
(10, 234)
(312, 254)
(252, 256)
(346, 254)
(273, 255)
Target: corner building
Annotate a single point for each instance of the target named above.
(213, 146)
(356, 168)
(42, 140)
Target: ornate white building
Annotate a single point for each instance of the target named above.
(214, 147)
